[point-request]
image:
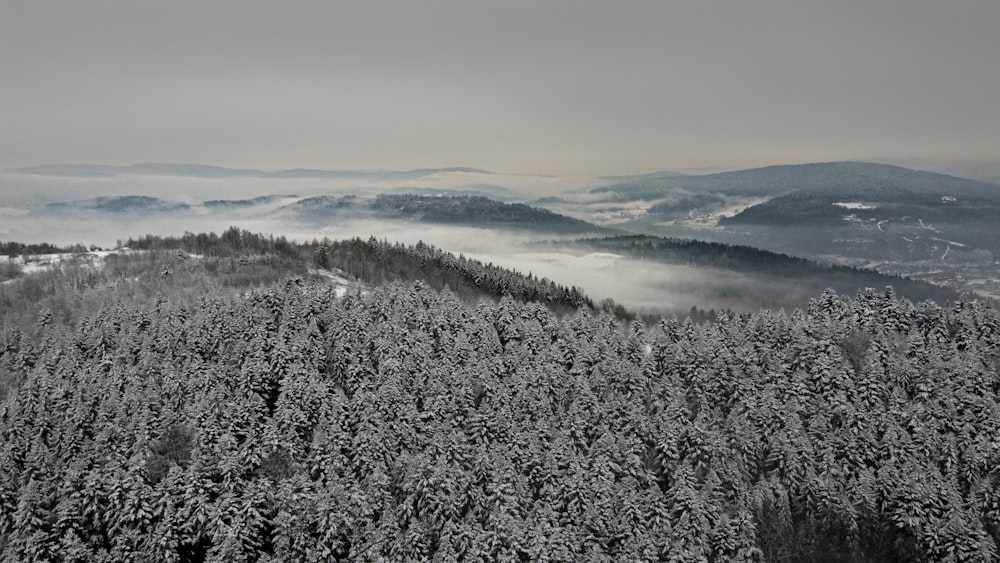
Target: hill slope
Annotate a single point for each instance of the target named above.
(480, 212)
(891, 194)
(293, 423)
(472, 211)
(896, 220)
(832, 177)
(768, 278)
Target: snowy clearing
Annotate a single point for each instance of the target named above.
(338, 278)
(854, 205)
(710, 221)
(951, 242)
(37, 263)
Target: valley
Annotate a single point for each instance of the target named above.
(900, 222)
(500, 281)
(443, 374)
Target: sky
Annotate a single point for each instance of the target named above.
(556, 87)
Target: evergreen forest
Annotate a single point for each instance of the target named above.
(216, 398)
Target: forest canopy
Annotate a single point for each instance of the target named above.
(283, 420)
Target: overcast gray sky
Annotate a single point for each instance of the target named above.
(565, 87)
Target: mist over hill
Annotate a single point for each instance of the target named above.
(479, 211)
(920, 224)
(131, 204)
(474, 211)
(789, 194)
(435, 282)
(831, 177)
(903, 222)
(873, 191)
(771, 279)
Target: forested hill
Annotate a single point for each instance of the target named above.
(810, 277)
(238, 260)
(876, 202)
(464, 210)
(287, 423)
(480, 212)
(378, 262)
(853, 178)
(116, 204)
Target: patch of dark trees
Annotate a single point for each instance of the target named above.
(749, 260)
(479, 211)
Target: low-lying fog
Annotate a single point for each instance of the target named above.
(639, 285)
(28, 190)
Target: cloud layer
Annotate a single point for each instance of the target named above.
(561, 87)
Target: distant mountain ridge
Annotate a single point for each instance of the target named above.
(209, 171)
(782, 179)
(927, 225)
(646, 176)
(887, 202)
(464, 210)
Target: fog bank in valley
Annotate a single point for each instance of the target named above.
(639, 285)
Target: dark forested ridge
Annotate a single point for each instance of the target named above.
(379, 262)
(237, 203)
(880, 203)
(117, 204)
(13, 249)
(811, 277)
(238, 260)
(479, 211)
(879, 180)
(174, 406)
(920, 224)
